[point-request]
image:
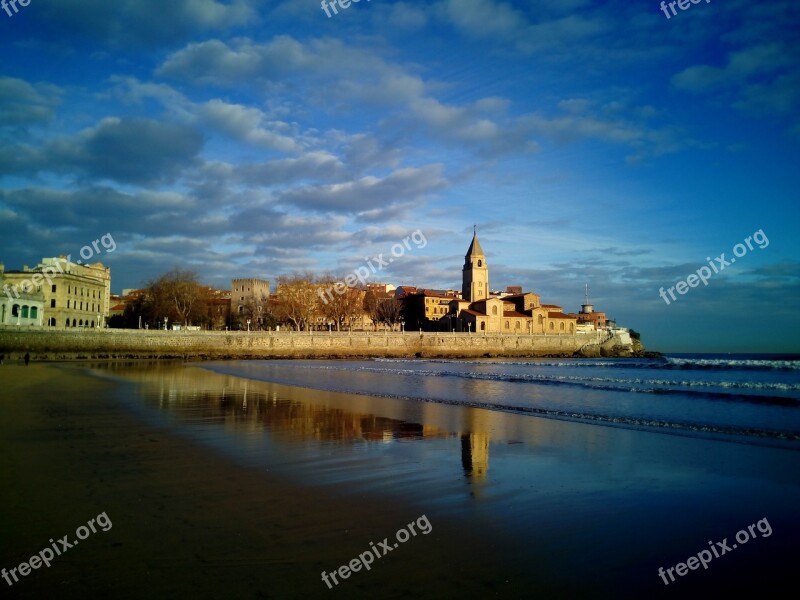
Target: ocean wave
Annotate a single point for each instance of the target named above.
(724, 364)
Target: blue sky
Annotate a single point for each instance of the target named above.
(590, 142)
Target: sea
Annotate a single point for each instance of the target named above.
(750, 398)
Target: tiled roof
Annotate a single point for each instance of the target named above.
(558, 315)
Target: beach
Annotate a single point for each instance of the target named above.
(220, 485)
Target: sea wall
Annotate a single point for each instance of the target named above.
(43, 344)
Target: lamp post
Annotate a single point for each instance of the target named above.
(469, 328)
(166, 320)
(402, 325)
(248, 325)
(98, 321)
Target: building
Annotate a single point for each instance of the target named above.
(475, 273)
(517, 313)
(589, 316)
(423, 307)
(24, 308)
(74, 295)
(248, 301)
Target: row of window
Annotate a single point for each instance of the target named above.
(71, 290)
(24, 311)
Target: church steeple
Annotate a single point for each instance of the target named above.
(475, 274)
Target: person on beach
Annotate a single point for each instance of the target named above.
(27, 359)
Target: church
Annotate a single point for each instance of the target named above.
(479, 311)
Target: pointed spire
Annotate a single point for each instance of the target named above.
(475, 247)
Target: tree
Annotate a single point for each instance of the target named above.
(342, 309)
(298, 302)
(384, 309)
(179, 297)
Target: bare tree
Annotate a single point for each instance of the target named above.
(342, 309)
(298, 302)
(178, 296)
(383, 308)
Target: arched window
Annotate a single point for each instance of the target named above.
(561, 327)
(51, 321)
(15, 310)
(494, 310)
(73, 323)
(571, 327)
(541, 319)
(517, 325)
(34, 312)
(483, 325)
(80, 323)
(92, 323)
(25, 312)
(480, 262)
(67, 323)
(508, 324)
(551, 326)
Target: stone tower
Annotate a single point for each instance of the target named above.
(475, 274)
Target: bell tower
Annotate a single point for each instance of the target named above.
(475, 274)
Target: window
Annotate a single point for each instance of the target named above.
(571, 328)
(34, 312)
(73, 322)
(51, 322)
(551, 326)
(508, 325)
(15, 310)
(53, 303)
(80, 323)
(24, 312)
(67, 323)
(480, 262)
(53, 288)
(483, 326)
(561, 327)
(494, 310)
(517, 325)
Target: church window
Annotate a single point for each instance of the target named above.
(483, 326)
(480, 262)
(562, 327)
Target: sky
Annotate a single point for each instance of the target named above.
(598, 143)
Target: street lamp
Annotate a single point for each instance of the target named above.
(469, 328)
(248, 325)
(166, 319)
(402, 325)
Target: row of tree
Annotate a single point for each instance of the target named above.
(302, 302)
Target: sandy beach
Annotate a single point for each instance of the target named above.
(211, 496)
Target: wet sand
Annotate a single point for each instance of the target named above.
(563, 510)
(186, 522)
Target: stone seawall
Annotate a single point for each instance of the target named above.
(43, 344)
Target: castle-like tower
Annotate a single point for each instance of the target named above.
(475, 274)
